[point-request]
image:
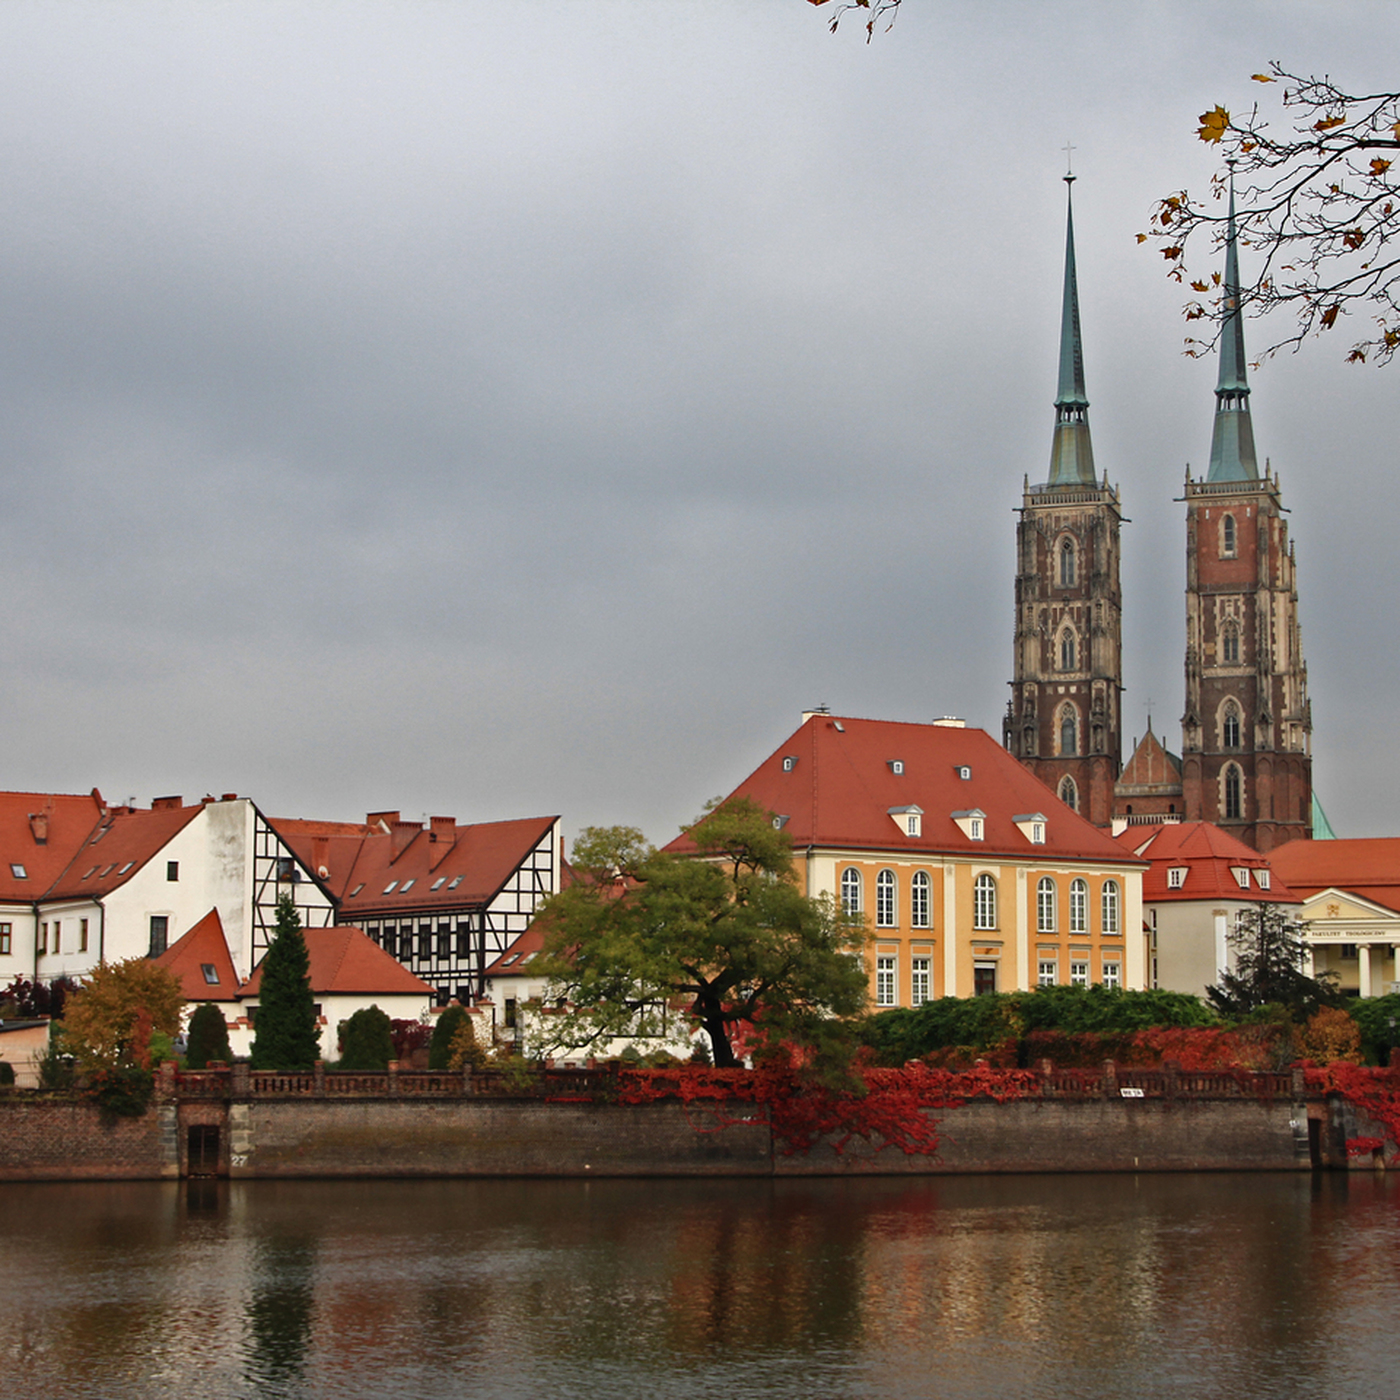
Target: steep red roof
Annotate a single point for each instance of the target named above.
(438, 866)
(201, 954)
(1151, 766)
(343, 960)
(1210, 856)
(843, 784)
(517, 958)
(121, 844)
(1367, 866)
(39, 833)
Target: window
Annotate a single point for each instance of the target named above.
(1037, 833)
(391, 887)
(42, 946)
(357, 889)
(1234, 802)
(920, 980)
(1231, 728)
(1230, 646)
(128, 866)
(984, 902)
(1066, 564)
(1069, 731)
(885, 899)
(974, 829)
(1176, 877)
(912, 824)
(1110, 906)
(160, 934)
(1262, 877)
(456, 880)
(1241, 874)
(407, 885)
(789, 763)
(1069, 793)
(919, 900)
(1045, 902)
(511, 1016)
(464, 944)
(1047, 974)
(444, 943)
(1227, 537)
(1112, 975)
(172, 870)
(82, 935)
(1078, 906)
(884, 982)
(438, 883)
(6, 939)
(287, 873)
(211, 974)
(897, 767)
(18, 871)
(984, 979)
(57, 936)
(1067, 650)
(1079, 974)
(850, 891)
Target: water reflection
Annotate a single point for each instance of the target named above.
(1034, 1287)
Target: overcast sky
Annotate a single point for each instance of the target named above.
(504, 409)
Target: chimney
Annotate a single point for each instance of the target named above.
(403, 833)
(39, 827)
(444, 829)
(167, 804)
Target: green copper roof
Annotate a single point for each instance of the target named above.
(1321, 827)
(1071, 452)
(1232, 456)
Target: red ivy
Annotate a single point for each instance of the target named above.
(1375, 1092)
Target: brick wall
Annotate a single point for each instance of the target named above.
(48, 1140)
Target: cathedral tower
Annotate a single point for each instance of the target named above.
(1246, 735)
(1063, 718)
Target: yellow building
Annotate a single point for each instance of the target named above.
(971, 876)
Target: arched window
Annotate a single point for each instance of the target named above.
(1078, 906)
(1110, 906)
(1067, 564)
(1227, 537)
(984, 903)
(1069, 793)
(850, 891)
(1069, 731)
(919, 888)
(1067, 650)
(1230, 729)
(1234, 796)
(1230, 645)
(1045, 905)
(884, 899)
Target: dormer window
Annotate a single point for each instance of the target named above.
(970, 823)
(1262, 879)
(897, 767)
(1176, 877)
(780, 820)
(1241, 876)
(964, 772)
(910, 820)
(1032, 827)
(789, 763)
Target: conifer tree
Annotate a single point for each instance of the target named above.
(366, 1042)
(207, 1038)
(447, 1023)
(286, 1035)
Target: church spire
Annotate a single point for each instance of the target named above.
(1071, 452)
(1232, 456)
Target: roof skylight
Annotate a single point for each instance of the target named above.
(456, 880)
(357, 889)
(391, 887)
(439, 882)
(408, 885)
(18, 871)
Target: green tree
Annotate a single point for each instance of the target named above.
(440, 1047)
(725, 936)
(1318, 202)
(366, 1041)
(285, 1033)
(108, 1022)
(1268, 946)
(207, 1038)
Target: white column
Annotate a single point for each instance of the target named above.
(1309, 960)
(1363, 953)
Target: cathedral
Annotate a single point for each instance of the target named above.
(1245, 760)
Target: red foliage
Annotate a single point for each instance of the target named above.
(1375, 1092)
(409, 1036)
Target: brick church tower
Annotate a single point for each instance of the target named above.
(1246, 735)
(1062, 721)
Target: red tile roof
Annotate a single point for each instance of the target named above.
(345, 961)
(121, 844)
(204, 946)
(510, 963)
(40, 832)
(1151, 765)
(1210, 856)
(445, 866)
(1367, 866)
(841, 788)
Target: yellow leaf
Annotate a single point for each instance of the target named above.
(1327, 123)
(1396, 130)
(1215, 277)
(1379, 167)
(1247, 146)
(1200, 286)
(1171, 253)
(1142, 238)
(1213, 124)
(1262, 78)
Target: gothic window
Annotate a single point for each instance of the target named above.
(1110, 906)
(1067, 564)
(1069, 731)
(1227, 537)
(1079, 906)
(919, 895)
(1234, 801)
(850, 891)
(1067, 650)
(1231, 726)
(1230, 645)
(1045, 905)
(984, 903)
(884, 899)
(1069, 793)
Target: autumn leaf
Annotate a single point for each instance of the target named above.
(1327, 123)
(1248, 146)
(1396, 130)
(1215, 278)
(1171, 253)
(1142, 238)
(1329, 316)
(1262, 78)
(1379, 167)
(1200, 286)
(1213, 124)
(1353, 238)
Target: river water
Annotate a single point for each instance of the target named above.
(1071, 1286)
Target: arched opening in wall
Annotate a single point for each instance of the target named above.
(1069, 731)
(1067, 563)
(1234, 794)
(1227, 537)
(1230, 726)
(1068, 650)
(1230, 645)
(851, 902)
(1069, 793)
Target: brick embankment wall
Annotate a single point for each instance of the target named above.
(51, 1140)
(1088, 1135)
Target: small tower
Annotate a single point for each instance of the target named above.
(1246, 735)
(1063, 718)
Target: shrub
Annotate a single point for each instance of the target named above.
(1330, 1035)
(7, 1073)
(448, 1024)
(465, 1049)
(208, 1037)
(366, 1042)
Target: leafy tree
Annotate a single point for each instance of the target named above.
(1318, 201)
(1379, 1021)
(1268, 946)
(108, 1022)
(464, 1048)
(366, 1041)
(24, 1000)
(286, 1035)
(726, 936)
(1329, 1035)
(447, 1023)
(207, 1038)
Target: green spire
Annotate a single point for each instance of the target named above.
(1232, 455)
(1071, 452)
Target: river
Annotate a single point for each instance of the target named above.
(1069, 1286)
